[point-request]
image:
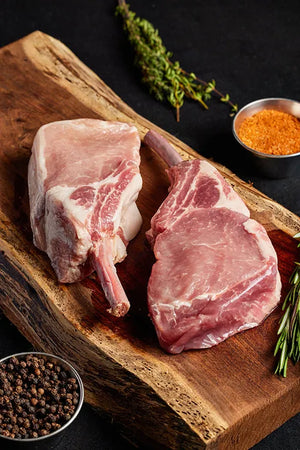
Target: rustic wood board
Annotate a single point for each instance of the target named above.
(224, 397)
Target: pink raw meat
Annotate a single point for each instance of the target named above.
(216, 271)
(83, 182)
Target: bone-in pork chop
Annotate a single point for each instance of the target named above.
(216, 270)
(83, 183)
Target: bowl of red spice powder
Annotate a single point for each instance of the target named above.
(269, 129)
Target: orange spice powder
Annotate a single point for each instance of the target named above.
(271, 131)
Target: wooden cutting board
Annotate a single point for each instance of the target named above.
(226, 397)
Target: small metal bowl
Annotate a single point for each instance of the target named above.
(50, 440)
(271, 166)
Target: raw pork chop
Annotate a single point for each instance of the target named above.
(83, 183)
(216, 270)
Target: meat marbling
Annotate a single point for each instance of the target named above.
(216, 271)
(83, 182)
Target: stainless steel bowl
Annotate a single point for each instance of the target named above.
(272, 166)
(51, 440)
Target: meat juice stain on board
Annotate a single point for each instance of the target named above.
(287, 253)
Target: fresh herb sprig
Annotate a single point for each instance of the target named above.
(165, 79)
(288, 343)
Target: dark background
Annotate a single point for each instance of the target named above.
(251, 49)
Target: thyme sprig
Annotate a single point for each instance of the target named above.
(166, 80)
(288, 343)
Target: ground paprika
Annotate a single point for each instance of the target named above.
(271, 131)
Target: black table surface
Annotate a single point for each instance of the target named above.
(251, 48)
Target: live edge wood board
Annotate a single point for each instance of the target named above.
(226, 397)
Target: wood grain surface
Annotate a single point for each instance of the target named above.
(225, 397)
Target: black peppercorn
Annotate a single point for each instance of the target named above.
(36, 397)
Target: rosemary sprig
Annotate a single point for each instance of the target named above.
(165, 79)
(288, 343)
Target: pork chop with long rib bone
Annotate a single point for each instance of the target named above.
(216, 271)
(83, 182)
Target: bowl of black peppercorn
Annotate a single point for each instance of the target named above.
(40, 396)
